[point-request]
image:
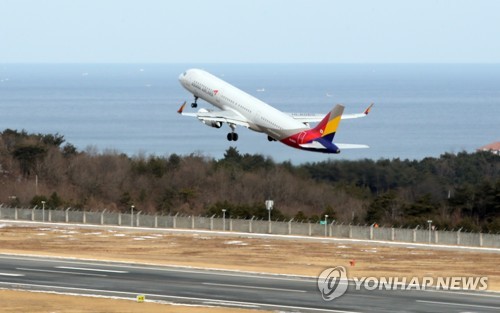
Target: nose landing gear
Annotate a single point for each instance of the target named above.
(195, 104)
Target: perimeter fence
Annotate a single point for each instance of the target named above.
(320, 229)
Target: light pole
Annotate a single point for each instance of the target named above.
(430, 223)
(43, 211)
(224, 219)
(132, 215)
(326, 225)
(269, 207)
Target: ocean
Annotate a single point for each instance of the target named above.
(421, 110)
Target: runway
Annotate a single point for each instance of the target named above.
(223, 288)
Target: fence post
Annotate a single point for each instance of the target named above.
(174, 222)
(270, 229)
(66, 215)
(371, 231)
(415, 234)
(392, 234)
(102, 216)
(458, 235)
(33, 214)
(50, 215)
(212, 222)
(15, 213)
(310, 229)
(436, 237)
(120, 219)
(290, 226)
(480, 239)
(230, 224)
(84, 217)
(137, 219)
(350, 231)
(156, 221)
(250, 224)
(192, 221)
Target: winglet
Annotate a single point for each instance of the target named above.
(181, 108)
(368, 108)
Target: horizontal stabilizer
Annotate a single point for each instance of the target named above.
(317, 145)
(312, 145)
(351, 146)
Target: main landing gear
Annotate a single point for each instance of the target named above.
(194, 104)
(232, 136)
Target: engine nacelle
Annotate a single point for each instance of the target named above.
(210, 123)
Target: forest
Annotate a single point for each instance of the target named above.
(455, 190)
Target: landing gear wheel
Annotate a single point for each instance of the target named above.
(232, 136)
(195, 104)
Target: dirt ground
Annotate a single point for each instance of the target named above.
(34, 302)
(248, 254)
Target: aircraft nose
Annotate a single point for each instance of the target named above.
(183, 78)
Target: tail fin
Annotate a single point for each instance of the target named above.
(328, 126)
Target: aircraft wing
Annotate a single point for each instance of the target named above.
(207, 116)
(314, 118)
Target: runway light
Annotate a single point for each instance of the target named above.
(141, 298)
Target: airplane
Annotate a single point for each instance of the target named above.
(238, 108)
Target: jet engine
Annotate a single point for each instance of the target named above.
(210, 123)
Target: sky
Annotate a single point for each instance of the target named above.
(249, 31)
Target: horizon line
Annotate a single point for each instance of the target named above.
(253, 63)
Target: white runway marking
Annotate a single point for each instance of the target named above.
(167, 268)
(461, 304)
(90, 269)
(128, 294)
(59, 272)
(490, 293)
(230, 304)
(11, 274)
(253, 287)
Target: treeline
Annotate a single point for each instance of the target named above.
(454, 190)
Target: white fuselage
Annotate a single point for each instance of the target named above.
(260, 116)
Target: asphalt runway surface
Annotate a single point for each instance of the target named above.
(223, 288)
